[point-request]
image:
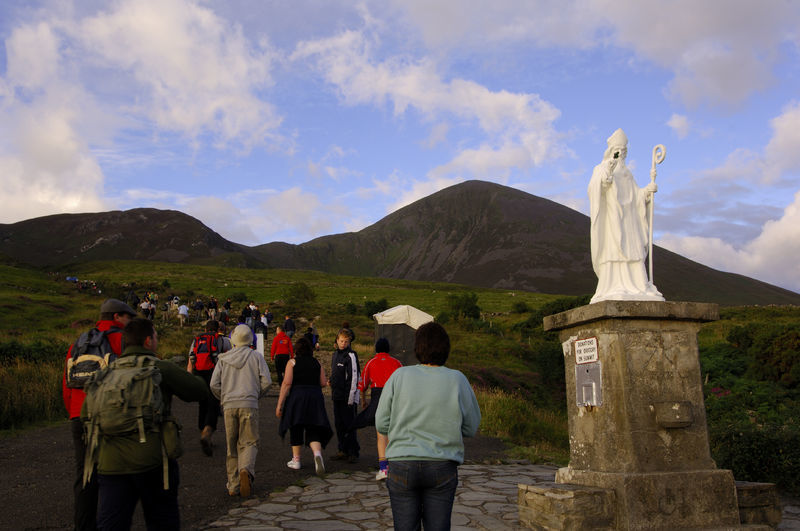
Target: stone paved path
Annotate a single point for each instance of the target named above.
(486, 499)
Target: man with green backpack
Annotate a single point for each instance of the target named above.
(131, 436)
(92, 351)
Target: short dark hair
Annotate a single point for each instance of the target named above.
(382, 345)
(212, 326)
(302, 347)
(139, 329)
(432, 344)
(107, 316)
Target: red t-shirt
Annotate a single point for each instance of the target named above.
(73, 398)
(377, 371)
(281, 344)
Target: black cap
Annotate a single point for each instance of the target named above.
(116, 306)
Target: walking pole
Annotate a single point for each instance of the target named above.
(659, 152)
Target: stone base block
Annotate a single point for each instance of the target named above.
(665, 500)
(759, 503)
(551, 506)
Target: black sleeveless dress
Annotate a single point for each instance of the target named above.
(305, 405)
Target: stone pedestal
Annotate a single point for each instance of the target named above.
(646, 437)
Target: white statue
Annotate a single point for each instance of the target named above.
(621, 226)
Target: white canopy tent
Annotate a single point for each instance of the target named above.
(399, 325)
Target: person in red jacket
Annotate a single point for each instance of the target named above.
(281, 352)
(376, 372)
(114, 315)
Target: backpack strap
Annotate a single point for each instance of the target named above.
(165, 465)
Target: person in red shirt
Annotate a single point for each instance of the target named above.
(281, 352)
(376, 372)
(114, 315)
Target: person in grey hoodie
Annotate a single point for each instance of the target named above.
(240, 378)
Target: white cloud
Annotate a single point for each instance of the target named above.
(518, 128)
(772, 256)
(300, 212)
(719, 51)
(197, 72)
(782, 153)
(679, 124)
(76, 84)
(225, 218)
(33, 56)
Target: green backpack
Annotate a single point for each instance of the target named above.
(123, 399)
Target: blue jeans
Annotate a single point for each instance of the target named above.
(422, 492)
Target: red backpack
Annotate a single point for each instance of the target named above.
(206, 350)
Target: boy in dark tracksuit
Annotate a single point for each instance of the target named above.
(345, 394)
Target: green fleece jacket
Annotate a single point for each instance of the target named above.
(126, 455)
(426, 411)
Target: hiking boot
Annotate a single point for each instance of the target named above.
(205, 440)
(340, 456)
(382, 474)
(245, 483)
(294, 465)
(319, 466)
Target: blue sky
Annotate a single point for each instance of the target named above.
(288, 120)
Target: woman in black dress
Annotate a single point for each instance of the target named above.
(301, 406)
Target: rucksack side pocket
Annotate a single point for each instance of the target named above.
(171, 437)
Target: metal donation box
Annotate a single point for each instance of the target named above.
(588, 373)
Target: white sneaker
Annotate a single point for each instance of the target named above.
(381, 474)
(319, 466)
(295, 465)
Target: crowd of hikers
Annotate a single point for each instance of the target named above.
(118, 393)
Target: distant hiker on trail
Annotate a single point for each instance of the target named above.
(289, 327)
(212, 308)
(312, 337)
(226, 341)
(183, 314)
(268, 315)
(344, 391)
(203, 355)
(376, 372)
(240, 378)
(280, 352)
(114, 315)
(199, 310)
(247, 314)
(132, 467)
(301, 407)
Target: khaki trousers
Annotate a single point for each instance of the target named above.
(241, 435)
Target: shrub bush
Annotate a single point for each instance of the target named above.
(373, 307)
(239, 296)
(520, 307)
(464, 305)
(759, 453)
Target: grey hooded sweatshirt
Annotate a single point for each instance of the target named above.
(240, 378)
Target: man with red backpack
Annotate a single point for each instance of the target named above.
(202, 359)
(92, 351)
